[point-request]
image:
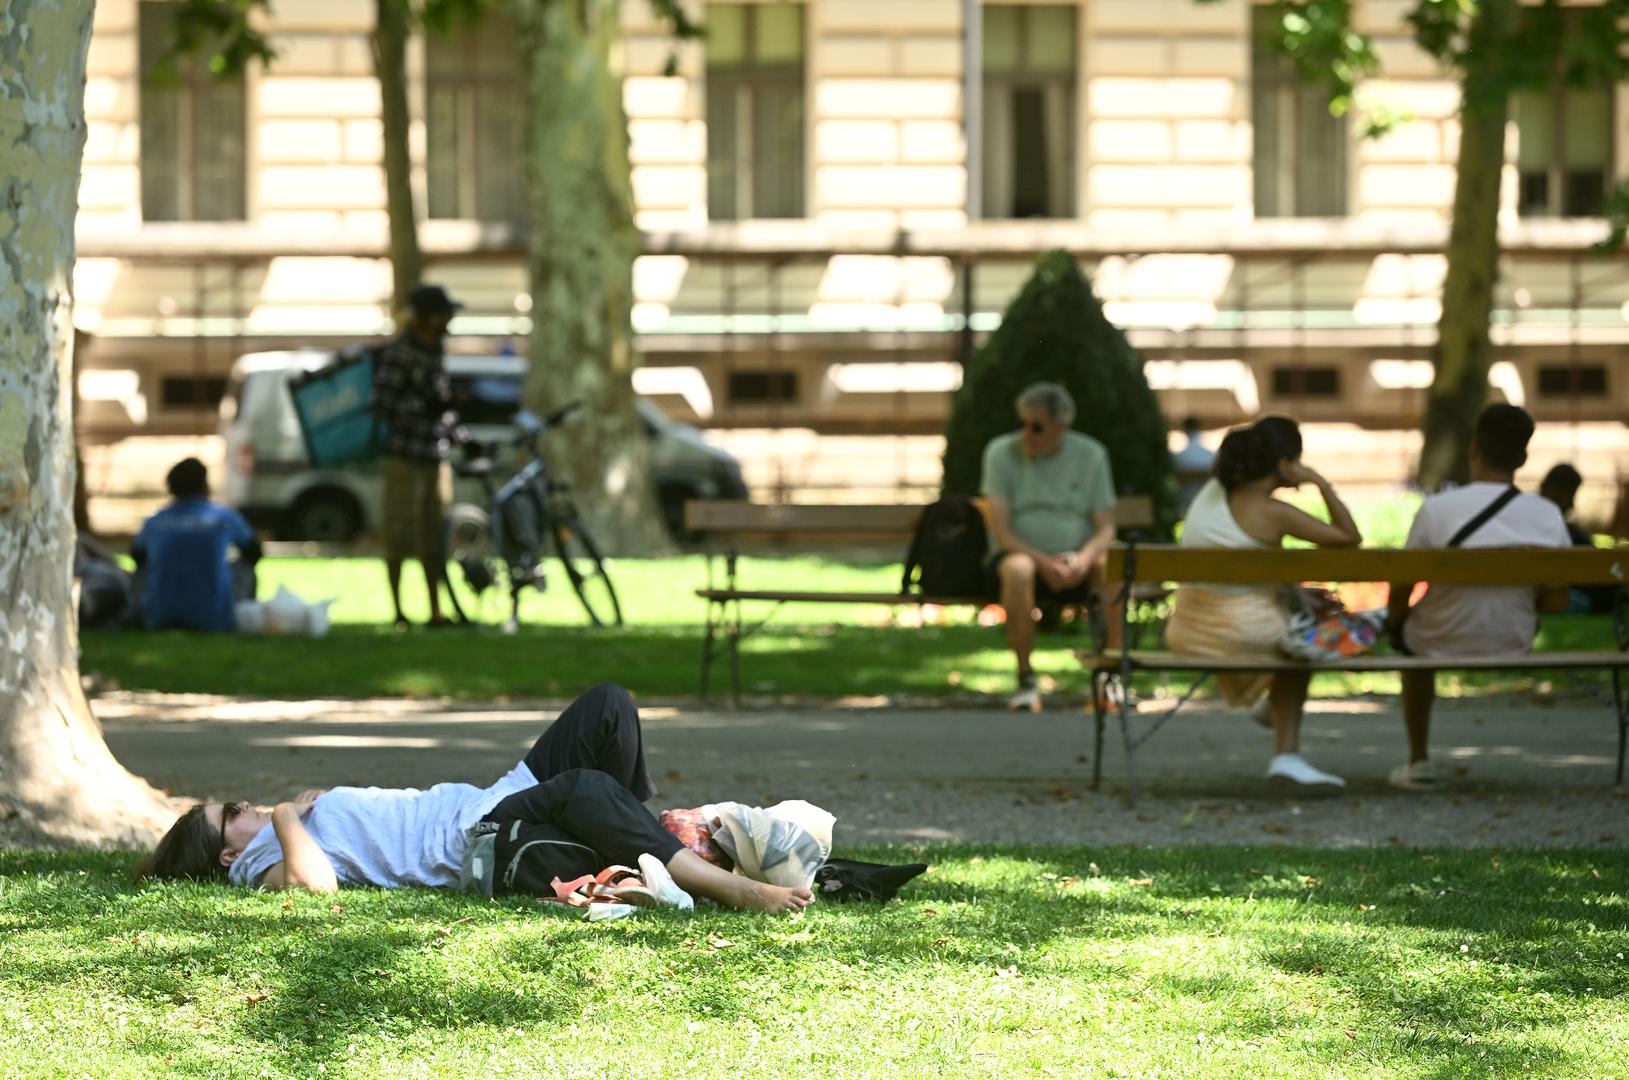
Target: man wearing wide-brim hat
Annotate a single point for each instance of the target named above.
(413, 395)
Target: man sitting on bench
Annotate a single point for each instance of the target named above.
(1458, 620)
(1051, 503)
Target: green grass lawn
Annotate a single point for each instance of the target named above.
(823, 650)
(1092, 962)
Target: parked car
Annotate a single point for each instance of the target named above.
(271, 480)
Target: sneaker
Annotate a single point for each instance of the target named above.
(660, 882)
(1028, 696)
(1415, 776)
(1296, 773)
(1262, 713)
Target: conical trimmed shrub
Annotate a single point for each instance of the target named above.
(1055, 330)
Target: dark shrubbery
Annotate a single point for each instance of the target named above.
(1056, 330)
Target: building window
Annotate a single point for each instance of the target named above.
(191, 391)
(193, 142)
(475, 123)
(1564, 141)
(1300, 150)
(1309, 382)
(1029, 112)
(754, 111)
(1558, 381)
(763, 387)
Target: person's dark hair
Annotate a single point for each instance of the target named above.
(1562, 476)
(1248, 454)
(190, 851)
(1502, 432)
(1191, 426)
(188, 479)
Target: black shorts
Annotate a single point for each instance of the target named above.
(1044, 593)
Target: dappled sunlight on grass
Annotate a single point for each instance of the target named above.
(1109, 961)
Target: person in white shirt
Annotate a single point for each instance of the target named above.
(584, 782)
(1459, 620)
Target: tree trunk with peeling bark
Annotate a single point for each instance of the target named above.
(581, 248)
(392, 28)
(58, 781)
(1464, 350)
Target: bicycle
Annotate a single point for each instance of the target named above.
(507, 540)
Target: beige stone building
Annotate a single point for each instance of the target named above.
(803, 182)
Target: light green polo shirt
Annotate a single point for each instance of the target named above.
(1051, 499)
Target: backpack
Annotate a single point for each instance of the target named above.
(948, 549)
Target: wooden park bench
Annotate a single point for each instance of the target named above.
(729, 526)
(1453, 566)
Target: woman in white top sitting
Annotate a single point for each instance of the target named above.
(1236, 509)
(575, 800)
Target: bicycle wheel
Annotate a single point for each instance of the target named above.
(586, 571)
(466, 543)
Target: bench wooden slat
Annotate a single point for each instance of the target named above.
(1169, 661)
(720, 595)
(1447, 566)
(734, 516)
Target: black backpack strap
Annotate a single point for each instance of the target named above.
(1488, 513)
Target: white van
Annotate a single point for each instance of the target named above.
(270, 479)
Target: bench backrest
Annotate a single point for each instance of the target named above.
(740, 518)
(1447, 566)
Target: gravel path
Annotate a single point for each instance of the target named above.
(1522, 772)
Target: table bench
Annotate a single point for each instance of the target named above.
(1133, 564)
(734, 524)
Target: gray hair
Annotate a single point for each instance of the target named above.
(1051, 398)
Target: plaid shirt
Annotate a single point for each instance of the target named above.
(412, 393)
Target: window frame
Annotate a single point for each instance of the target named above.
(193, 83)
(1061, 91)
(471, 78)
(744, 83)
(1293, 99)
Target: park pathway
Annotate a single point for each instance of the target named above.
(1521, 771)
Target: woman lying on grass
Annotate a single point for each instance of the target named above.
(578, 793)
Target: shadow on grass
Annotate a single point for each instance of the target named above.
(1375, 934)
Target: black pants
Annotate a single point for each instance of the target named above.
(590, 764)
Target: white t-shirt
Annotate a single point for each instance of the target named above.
(391, 837)
(1463, 620)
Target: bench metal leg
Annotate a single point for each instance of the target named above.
(1099, 682)
(735, 656)
(1621, 700)
(707, 646)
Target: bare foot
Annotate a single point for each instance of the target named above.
(776, 899)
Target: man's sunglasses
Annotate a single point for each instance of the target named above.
(228, 812)
(1034, 427)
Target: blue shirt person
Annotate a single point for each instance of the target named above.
(181, 552)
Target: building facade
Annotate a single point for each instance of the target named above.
(802, 179)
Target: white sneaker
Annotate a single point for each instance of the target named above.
(1295, 772)
(660, 882)
(1415, 776)
(1026, 699)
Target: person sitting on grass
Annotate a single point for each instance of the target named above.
(583, 782)
(1236, 509)
(180, 555)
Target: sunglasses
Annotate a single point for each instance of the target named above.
(1034, 427)
(228, 812)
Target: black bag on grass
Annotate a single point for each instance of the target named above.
(946, 557)
(514, 857)
(848, 879)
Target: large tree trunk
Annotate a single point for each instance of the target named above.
(58, 782)
(581, 248)
(392, 26)
(1464, 352)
